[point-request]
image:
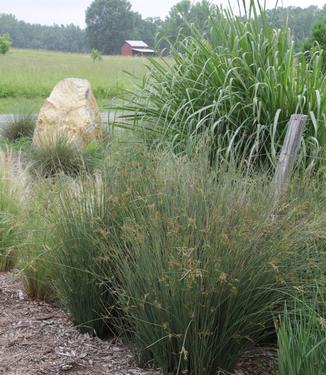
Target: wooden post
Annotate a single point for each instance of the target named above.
(289, 152)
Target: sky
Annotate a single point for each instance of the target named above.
(73, 11)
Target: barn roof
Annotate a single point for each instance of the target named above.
(137, 43)
(144, 50)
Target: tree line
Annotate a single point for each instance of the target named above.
(68, 38)
(110, 22)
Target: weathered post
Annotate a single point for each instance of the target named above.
(289, 152)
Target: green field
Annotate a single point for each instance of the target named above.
(28, 76)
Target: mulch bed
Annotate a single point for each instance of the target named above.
(37, 338)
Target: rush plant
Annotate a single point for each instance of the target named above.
(202, 266)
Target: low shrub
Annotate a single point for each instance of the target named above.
(5, 43)
(96, 55)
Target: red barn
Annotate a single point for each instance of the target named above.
(136, 48)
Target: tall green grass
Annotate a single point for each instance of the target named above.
(238, 85)
(302, 338)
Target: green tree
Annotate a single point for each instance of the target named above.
(109, 23)
(5, 43)
(67, 38)
(146, 29)
(184, 14)
(299, 20)
(318, 35)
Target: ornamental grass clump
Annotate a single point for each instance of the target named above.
(85, 216)
(188, 265)
(13, 191)
(82, 227)
(237, 85)
(88, 218)
(37, 266)
(21, 127)
(205, 261)
(203, 264)
(59, 156)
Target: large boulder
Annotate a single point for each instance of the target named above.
(70, 112)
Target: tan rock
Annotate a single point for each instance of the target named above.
(71, 112)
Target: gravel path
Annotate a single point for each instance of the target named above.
(37, 338)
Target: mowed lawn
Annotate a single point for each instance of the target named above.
(28, 76)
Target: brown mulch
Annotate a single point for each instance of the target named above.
(257, 362)
(37, 338)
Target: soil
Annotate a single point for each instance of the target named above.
(260, 361)
(37, 338)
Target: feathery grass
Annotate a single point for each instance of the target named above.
(13, 191)
(36, 261)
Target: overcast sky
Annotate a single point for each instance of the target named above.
(73, 11)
